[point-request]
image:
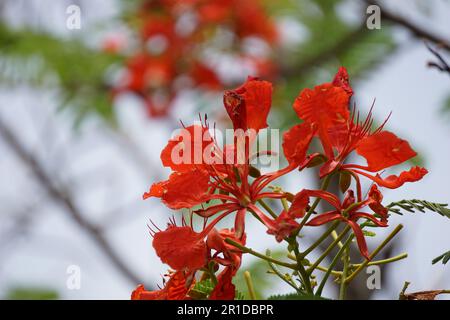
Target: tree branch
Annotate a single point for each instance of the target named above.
(416, 30)
(64, 199)
(441, 64)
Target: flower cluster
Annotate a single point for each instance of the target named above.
(175, 36)
(214, 191)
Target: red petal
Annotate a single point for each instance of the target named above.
(225, 289)
(248, 106)
(341, 80)
(324, 218)
(393, 181)
(301, 201)
(362, 245)
(356, 215)
(328, 167)
(186, 151)
(216, 241)
(141, 294)
(375, 199)
(258, 100)
(175, 289)
(283, 226)
(325, 106)
(156, 190)
(299, 204)
(182, 190)
(327, 196)
(296, 142)
(384, 149)
(181, 248)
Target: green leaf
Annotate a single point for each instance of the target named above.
(201, 289)
(78, 72)
(419, 205)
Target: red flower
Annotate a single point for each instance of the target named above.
(325, 110)
(181, 247)
(176, 288)
(198, 178)
(231, 256)
(169, 58)
(347, 211)
(283, 226)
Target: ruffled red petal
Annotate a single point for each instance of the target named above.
(216, 241)
(375, 199)
(299, 204)
(284, 225)
(182, 189)
(248, 106)
(341, 79)
(384, 149)
(296, 143)
(325, 106)
(181, 248)
(175, 288)
(141, 294)
(392, 182)
(188, 149)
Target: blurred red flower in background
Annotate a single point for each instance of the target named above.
(174, 37)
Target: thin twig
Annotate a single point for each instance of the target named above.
(65, 200)
(416, 30)
(441, 65)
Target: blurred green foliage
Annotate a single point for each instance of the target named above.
(43, 60)
(262, 281)
(31, 293)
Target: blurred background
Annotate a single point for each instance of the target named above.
(90, 92)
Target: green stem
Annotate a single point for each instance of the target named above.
(321, 239)
(321, 268)
(374, 253)
(328, 250)
(280, 275)
(251, 289)
(300, 268)
(260, 255)
(383, 261)
(343, 284)
(285, 204)
(267, 208)
(332, 264)
(335, 235)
